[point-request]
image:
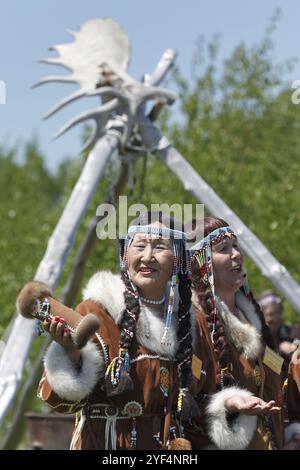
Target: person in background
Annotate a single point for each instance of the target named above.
(272, 308)
(296, 332)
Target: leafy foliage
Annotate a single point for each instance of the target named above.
(239, 129)
(30, 200)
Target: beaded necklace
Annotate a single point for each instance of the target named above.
(145, 300)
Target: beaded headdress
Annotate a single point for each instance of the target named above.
(202, 252)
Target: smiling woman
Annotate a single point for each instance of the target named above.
(150, 262)
(140, 382)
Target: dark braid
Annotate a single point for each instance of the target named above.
(127, 325)
(184, 352)
(130, 314)
(189, 408)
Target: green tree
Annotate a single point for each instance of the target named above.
(30, 203)
(239, 129)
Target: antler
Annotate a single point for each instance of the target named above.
(98, 60)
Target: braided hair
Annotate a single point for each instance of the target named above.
(130, 313)
(184, 351)
(188, 408)
(206, 298)
(121, 364)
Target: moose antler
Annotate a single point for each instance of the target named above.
(98, 59)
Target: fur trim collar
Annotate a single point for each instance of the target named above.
(107, 289)
(244, 336)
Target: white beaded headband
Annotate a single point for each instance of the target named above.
(160, 231)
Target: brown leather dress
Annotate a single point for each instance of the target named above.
(105, 415)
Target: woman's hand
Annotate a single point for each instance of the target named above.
(250, 405)
(60, 333)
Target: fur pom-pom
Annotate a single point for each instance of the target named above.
(180, 444)
(27, 297)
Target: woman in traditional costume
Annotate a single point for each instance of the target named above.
(246, 364)
(144, 373)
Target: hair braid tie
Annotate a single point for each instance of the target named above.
(132, 315)
(185, 337)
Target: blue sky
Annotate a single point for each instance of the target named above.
(28, 28)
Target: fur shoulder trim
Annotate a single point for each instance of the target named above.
(234, 436)
(65, 379)
(107, 289)
(244, 336)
